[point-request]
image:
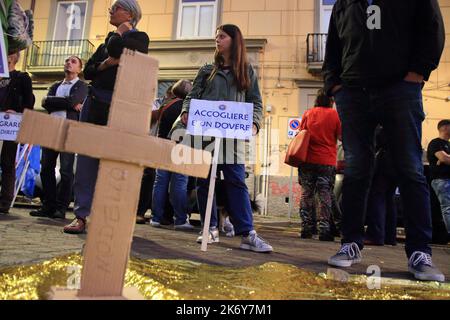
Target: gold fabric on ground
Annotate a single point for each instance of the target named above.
(180, 280)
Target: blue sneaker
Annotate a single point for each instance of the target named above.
(348, 254)
(421, 266)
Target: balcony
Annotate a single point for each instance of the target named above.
(48, 57)
(315, 52)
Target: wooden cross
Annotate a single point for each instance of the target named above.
(124, 149)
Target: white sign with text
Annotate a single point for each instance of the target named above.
(9, 125)
(221, 119)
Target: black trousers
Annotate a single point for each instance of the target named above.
(145, 198)
(8, 161)
(56, 197)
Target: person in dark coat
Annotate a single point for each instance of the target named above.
(379, 54)
(101, 69)
(16, 95)
(65, 99)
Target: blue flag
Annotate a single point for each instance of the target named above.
(33, 171)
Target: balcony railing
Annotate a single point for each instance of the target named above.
(51, 55)
(315, 52)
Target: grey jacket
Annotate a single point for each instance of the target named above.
(222, 87)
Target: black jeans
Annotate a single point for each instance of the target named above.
(145, 197)
(8, 161)
(381, 211)
(57, 197)
(399, 109)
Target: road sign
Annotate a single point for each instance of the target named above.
(293, 127)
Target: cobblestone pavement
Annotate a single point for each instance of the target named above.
(27, 240)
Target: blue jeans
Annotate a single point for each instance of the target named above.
(237, 198)
(85, 175)
(442, 189)
(178, 195)
(398, 108)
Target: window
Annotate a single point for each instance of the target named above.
(68, 33)
(197, 19)
(70, 20)
(326, 6)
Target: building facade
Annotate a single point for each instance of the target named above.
(286, 42)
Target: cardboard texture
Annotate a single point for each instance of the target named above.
(39, 128)
(145, 150)
(123, 148)
(111, 228)
(64, 294)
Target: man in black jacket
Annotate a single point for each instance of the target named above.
(65, 99)
(102, 69)
(379, 53)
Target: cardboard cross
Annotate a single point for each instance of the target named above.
(124, 149)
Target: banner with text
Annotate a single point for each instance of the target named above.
(9, 125)
(221, 119)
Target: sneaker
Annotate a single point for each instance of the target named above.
(228, 228)
(306, 235)
(77, 226)
(213, 236)
(59, 214)
(421, 266)
(255, 243)
(348, 254)
(326, 237)
(155, 224)
(43, 213)
(4, 209)
(185, 226)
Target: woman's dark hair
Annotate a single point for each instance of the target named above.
(182, 88)
(238, 56)
(323, 100)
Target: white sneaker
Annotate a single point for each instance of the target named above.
(255, 243)
(185, 226)
(155, 224)
(213, 236)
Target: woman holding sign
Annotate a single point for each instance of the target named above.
(230, 78)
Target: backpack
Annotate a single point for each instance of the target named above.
(20, 26)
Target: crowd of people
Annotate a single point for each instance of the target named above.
(373, 76)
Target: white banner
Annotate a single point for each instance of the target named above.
(4, 71)
(221, 119)
(9, 125)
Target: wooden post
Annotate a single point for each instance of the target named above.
(212, 186)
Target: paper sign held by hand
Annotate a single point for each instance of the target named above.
(220, 119)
